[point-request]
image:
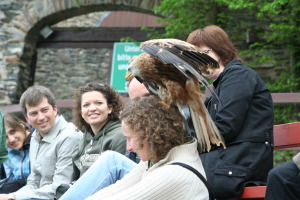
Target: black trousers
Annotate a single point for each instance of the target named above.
(284, 182)
(229, 170)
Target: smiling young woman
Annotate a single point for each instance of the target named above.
(17, 167)
(96, 112)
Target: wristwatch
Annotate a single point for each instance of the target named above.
(10, 197)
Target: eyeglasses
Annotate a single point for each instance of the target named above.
(206, 51)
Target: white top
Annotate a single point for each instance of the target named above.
(162, 180)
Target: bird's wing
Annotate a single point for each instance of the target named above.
(184, 56)
(173, 87)
(179, 52)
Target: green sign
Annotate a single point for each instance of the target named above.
(122, 53)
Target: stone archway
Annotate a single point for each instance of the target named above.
(36, 15)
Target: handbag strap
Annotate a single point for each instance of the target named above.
(211, 195)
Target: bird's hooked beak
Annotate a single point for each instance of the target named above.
(129, 73)
(128, 76)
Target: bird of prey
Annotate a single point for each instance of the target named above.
(172, 69)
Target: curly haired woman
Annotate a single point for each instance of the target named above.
(155, 131)
(96, 112)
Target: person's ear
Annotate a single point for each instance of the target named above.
(55, 108)
(110, 109)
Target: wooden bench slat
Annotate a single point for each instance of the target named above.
(67, 103)
(254, 192)
(11, 108)
(287, 136)
(286, 97)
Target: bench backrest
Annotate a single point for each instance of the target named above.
(287, 136)
(67, 103)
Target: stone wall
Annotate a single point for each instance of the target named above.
(49, 61)
(10, 52)
(20, 24)
(63, 70)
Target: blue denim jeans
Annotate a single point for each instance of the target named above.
(110, 167)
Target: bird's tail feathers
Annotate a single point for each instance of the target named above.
(205, 128)
(201, 132)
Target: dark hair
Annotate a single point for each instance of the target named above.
(112, 97)
(34, 95)
(217, 39)
(160, 124)
(15, 123)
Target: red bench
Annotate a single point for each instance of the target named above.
(286, 137)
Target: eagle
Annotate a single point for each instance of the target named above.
(172, 69)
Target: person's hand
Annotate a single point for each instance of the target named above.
(72, 183)
(3, 196)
